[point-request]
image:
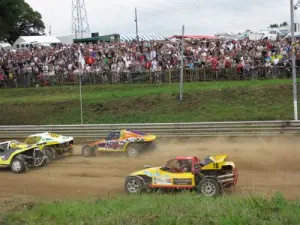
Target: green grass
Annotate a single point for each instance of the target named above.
(203, 101)
(159, 209)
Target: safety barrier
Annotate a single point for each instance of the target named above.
(166, 130)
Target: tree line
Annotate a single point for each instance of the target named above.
(275, 25)
(17, 18)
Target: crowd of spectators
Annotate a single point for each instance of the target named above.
(151, 56)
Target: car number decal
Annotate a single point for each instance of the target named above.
(54, 135)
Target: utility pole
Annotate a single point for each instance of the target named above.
(136, 28)
(81, 65)
(50, 30)
(181, 68)
(294, 60)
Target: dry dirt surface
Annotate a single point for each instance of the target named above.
(265, 165)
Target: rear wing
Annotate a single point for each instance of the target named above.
(219, 158)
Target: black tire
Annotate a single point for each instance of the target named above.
(133, 185)
(87, 151)
(52, 153)
(17, 165)
(49, 154)
(209, 187)
(133, 150)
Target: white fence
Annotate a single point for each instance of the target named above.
(210, 129)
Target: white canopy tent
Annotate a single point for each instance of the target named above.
(5, 45)
(40, 40)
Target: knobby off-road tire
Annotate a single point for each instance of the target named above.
(133, 149)
(133, 185)
(17, 165)
(209, 187)
(87, 151)
(50, 153)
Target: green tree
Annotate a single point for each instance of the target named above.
(284, 24)
(17, 18)
(274, 25)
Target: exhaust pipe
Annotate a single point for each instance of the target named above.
(227, 180)
(226, 176)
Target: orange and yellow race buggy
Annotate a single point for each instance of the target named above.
(130, 142)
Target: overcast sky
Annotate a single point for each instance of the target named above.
(166, 16)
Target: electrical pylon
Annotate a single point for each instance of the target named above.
(80, 23)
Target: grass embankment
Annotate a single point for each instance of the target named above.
(159, 209)
(205, 101)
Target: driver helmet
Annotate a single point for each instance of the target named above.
(12, 145)
(184, 164)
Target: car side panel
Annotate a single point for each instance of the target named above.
(10, 154)
(120, 145)
(164, 179)
(173, 180)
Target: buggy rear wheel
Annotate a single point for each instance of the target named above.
(49, 154)
(209, 187)
(133, 150)
(87, 151)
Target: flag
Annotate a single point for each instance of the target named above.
(81, 60)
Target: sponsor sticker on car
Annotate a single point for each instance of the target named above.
(162, 180)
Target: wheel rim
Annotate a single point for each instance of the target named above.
(16, 165)
(132, 151)
(133, 186)
(208, 189)
(85, 151)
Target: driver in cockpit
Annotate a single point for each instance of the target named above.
(184, 166)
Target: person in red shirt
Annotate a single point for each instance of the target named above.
(214, 63)
(227, 63)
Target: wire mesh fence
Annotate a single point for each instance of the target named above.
(147, 77)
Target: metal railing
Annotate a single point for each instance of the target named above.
(166, 130)
(148, 77)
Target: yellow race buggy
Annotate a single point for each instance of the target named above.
(208, 177)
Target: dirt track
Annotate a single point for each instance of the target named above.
(264, 165)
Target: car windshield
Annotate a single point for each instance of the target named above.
(113, 136)
(32, 140)
(171, 164)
